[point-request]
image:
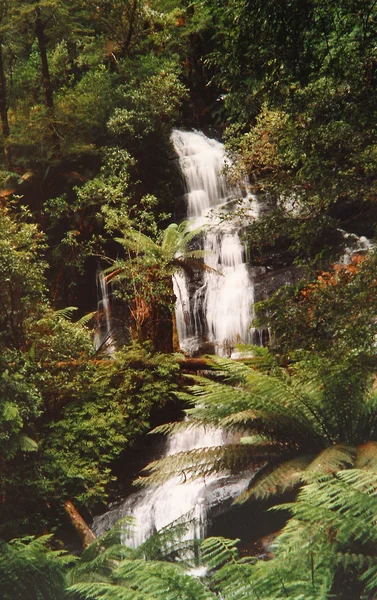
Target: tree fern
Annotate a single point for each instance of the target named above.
(328, 547)
(277, 480)
(162, 580)
(307, 419)
(203, 462)
(108, 570)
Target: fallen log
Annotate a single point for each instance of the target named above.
(195, 364)
(85, 533)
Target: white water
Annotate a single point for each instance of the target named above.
(158, 506)
(103, 337)
(219, 311)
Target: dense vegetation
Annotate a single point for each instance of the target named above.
(89, 93)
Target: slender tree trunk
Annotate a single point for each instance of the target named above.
(3, 494)
(46, 79)
(127, 41)
(4, 112)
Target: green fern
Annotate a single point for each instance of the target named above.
(328, 547)
(29, 570)
(314, 418)
(218, 551)
(277, 480)
(66, 313)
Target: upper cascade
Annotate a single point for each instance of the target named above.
(214, 312)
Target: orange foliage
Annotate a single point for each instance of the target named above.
(327, 278)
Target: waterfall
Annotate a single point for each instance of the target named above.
(214, 309)
(103, 334)
(216, 312)
(158, 506)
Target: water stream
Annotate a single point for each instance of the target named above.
(213, 310)
(103, 338)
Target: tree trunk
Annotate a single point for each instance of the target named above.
(125, 48)
(86, 534)
(4, 113)
(46, 79)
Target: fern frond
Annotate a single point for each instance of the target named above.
(85, 319)
(332, 459)
(202, 462)
(170, 543)
(66, 313)
(159, 580)
(366, 457)
(218, 551)
(105, 591)
(277, 481)
(234, 581)
(29, 569)
(26, 444)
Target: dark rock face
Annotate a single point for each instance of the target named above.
(268, 281)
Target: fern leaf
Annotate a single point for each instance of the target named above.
(218, 551)
(26, 444)
(281, 479)
(170, 543)
(202, 462)
(85, 319)
(66, 313)
(159, 580)
(105, 591)
(234, 581)
(332, 459)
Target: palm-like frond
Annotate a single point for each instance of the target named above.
(366, 457)
(332, 459)
(97, 561)
(218, 551)
(277, 480)
(66, 313)
(104, 591)
(160, 580)
(203, 462)
(171, 543)
(25, 443)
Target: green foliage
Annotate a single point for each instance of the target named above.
(332, 315)
(327, 548)
(21, 277)
(144, 278)
(299, 95)
(109, 407)
(65, 414)
(149, 104)
(108, 569)
(29, 569)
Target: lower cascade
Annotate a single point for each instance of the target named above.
(196, 500)
(213, 314)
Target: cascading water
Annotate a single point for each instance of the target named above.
(219, 311)
(158, 506)
(103, 335)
